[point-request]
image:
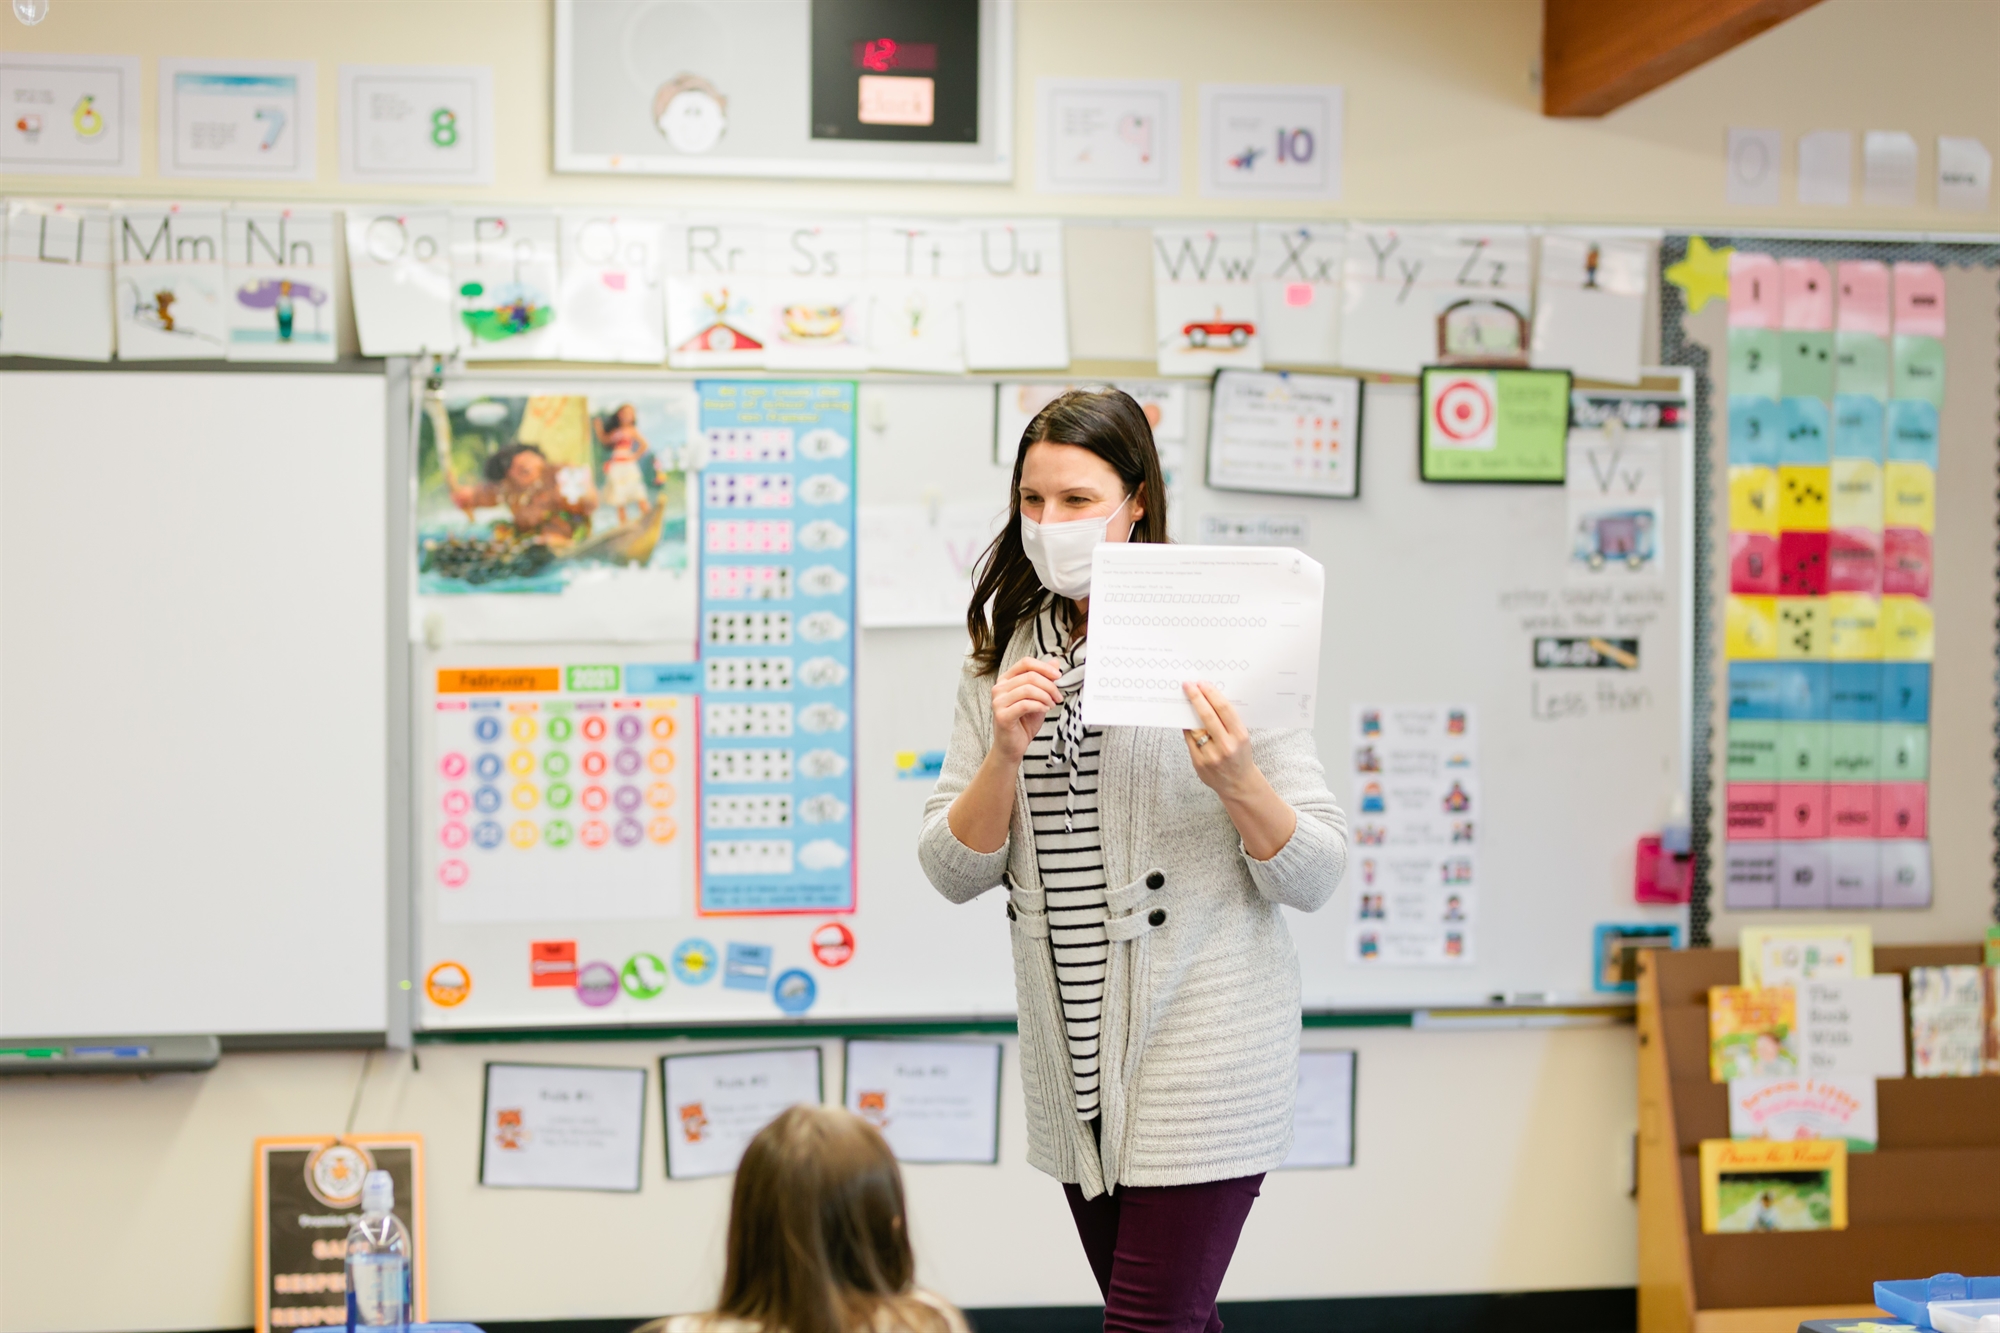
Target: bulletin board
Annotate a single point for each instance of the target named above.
(1950, 680)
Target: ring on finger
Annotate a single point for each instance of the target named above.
(1201, 738)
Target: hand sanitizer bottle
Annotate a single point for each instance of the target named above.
(378, 1260)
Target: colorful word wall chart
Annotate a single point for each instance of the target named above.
(777, 647)
(561, 793)
(1835, 381)
(1415, 860)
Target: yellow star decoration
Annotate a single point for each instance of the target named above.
(1703, 275)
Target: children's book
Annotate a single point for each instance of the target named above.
(1788, 1109)
(1759, 1185)
(1787, 955)
(1948, 1023)
(1993, 1020)
(1852, 1027)
(1752, 1033)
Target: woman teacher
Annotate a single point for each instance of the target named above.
(1158, 987)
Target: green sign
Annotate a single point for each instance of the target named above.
(593, 678)
(1486, 424)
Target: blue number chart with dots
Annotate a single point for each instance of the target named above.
(562, 793)
(777, 647)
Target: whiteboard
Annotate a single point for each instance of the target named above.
(193, 740)
(1424, 606)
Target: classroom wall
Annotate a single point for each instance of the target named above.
(1488, 1160)
(1443, 114)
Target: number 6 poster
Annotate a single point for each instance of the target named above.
(1270, 141)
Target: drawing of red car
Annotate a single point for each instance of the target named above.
(1201, 332)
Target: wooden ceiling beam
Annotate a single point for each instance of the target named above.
(1597, 55)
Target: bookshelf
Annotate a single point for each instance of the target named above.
(1926, 1201)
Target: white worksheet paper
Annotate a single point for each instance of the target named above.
(934, 1101)
(1323, 1115)
(1245, 618)
(715, 1104)
(563, 1127)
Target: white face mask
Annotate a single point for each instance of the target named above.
(1060, 552)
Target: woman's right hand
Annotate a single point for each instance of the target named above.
(1022, 698)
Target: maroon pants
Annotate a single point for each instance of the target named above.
(1159, 1253)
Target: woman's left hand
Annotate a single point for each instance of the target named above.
(1220, 749)
(1222, 758)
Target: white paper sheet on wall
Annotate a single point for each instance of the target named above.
(916, 561)
(1271, 141)
(563, 1127)
(1416, 810)
(69, 115)
(1016, 304)
(1299, 292)
(1755, 167)
(399, 271)
(816, 295)
(416, 124)
(715, 293)
(1323, 1115)
(934, 1101)
(280, 303)
(1414, 293)
(58, 289)
(916, 278)
(1293, 434)
(1590, 306)
(1826, 168)
(1888, 169)
(1205, 299)
(1108, 136)
(506, 282)
(612, 304)
(170, 283)
(715, 1104)
(1964, 174)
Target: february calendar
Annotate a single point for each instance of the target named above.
(562, 792)
(777, 647)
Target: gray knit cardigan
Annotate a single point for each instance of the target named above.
(1198, 1053)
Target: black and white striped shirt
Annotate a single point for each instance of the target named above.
(1062, 799)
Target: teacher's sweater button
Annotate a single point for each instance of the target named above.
(1158, 918)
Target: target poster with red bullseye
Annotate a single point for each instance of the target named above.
(1494, 425)
(562, 792)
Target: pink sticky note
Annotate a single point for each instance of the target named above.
(1808, 295)
(1864, 297)
(1756, 295)
(1919, 300)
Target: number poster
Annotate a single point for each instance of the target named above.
(777, 646)
(1835, 381)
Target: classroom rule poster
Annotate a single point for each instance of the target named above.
(1417, 811)
(776, 523)
(555, 513)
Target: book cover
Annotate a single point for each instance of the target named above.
(1759, 1185)
(1789, 1109)
(1993, 1020)
(1852, 1028)
(1752, 1033)
(1947, 1021)
(1787, 955)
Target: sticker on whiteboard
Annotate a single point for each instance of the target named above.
(833, 945)
(795, 991)
(748, 967)
(694, 961)
(447, 985)
(643, 976)
(597, 984)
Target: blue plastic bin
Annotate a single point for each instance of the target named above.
(1911, 1299)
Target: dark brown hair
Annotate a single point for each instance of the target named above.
(1114, 427)
(818, 1241)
